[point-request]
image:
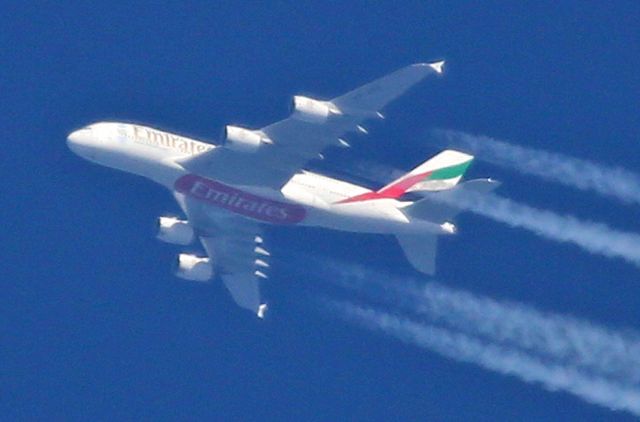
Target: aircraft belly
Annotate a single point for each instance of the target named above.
(265, 208)
(358, 223)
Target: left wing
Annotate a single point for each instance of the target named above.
(281, 149)
(234, 246)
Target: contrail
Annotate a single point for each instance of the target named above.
(503, 360)
(563, 339)
(585, 175)
(596, 238)
(596, 363)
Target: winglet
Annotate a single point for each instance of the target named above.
(437, 66)
(262, 310)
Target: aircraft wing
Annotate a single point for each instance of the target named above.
(295, 141)
(234, 246)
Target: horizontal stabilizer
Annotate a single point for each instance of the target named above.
(420, 251)
(438, 207)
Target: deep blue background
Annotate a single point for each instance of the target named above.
(93, 324)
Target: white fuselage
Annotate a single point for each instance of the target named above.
(308, 199)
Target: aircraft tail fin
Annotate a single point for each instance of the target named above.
(441, 172)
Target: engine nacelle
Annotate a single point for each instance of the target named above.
(243, 140)
(176, 231)
(313, 111)
(193, 268)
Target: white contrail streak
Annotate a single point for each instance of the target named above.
(503, 360)
(596, 238)
(585, 175)
(563, 339)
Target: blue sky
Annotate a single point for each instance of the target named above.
(92, 322)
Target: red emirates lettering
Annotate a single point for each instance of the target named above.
(238, 201)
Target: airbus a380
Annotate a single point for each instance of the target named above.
(256, 177)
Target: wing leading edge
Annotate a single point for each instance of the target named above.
(294, 141)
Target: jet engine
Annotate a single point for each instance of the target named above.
(193, 268)
(243, 140)
(173, 230)
(313, 111)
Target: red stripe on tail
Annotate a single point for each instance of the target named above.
(393, 191)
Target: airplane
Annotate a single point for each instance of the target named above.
(230, 192)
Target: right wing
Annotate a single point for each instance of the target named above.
(234, 246)
(236, 261)
(295, 141)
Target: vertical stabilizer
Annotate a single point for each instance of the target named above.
(441, 172)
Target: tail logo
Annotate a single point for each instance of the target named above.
(436, 179)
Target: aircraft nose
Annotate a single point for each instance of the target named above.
(79, 141)
(74, 138)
